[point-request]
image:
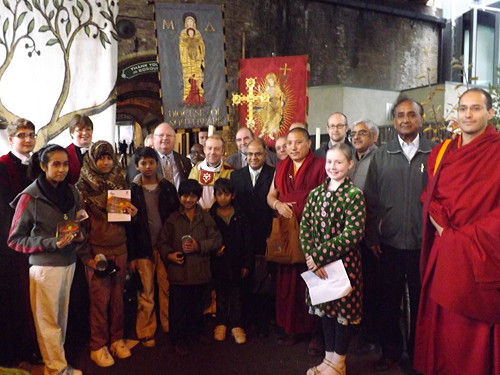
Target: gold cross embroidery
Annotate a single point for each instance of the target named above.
(250, 99)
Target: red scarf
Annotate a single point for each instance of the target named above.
(296, 188)
(463, 265)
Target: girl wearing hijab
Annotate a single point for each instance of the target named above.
(101, 172)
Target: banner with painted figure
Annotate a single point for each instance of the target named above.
(192, 64)
(273, 94)
(58, 58)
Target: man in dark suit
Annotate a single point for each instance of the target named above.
(337, 128)
(239, 159)
(251, 186)
(80, 130)
(173, 166)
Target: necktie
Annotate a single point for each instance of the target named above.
(168, 169)
(255, 176)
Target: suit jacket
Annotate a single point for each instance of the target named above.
(234, 160)
(74, 164)
(321, 152)
(253, 202)
(182, 163)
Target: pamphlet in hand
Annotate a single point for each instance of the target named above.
(71, 226)
(336, 286)
(118, 202)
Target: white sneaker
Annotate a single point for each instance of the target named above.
(119, 349)
(240, 337)
(102, 357)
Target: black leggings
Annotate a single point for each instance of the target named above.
(337, 336)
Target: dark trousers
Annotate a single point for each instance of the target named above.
(337, 336)
(371, 295)
(398, 268)
(228, 303)
(186, 312)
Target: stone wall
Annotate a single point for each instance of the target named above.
(346, 45)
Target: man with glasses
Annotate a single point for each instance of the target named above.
(252, 184)
(81, 129)
(173, 166)
(337, 131)
(363, 136)
(18, 340)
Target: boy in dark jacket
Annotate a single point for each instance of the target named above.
(156, 198)
(187, 239)
(231, 264)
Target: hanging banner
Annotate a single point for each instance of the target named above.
(192, 64)
(279, 95)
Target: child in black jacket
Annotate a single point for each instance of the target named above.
(232, 263)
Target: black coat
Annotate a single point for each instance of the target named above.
(253, 202)
(138, 235)
(236, 237)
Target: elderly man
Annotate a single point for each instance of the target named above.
(396, 178)
(239, 159)
(294, 179)
(80, 130)
(251, 186)
(173, 166)
(458, 328)
(280, 146)
(337, 127)
(363, 136)
(209, 170)
(18, 340)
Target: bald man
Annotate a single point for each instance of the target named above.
(239, 159)
(175, 165)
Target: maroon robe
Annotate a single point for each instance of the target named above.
(458, 327)
(291, 309)
(74, 164)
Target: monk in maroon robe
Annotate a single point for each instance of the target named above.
(295, 177)
(458, 326)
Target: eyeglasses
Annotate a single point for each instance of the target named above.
(338, 126)
(256, 154)
(361, 133)
(26, 135)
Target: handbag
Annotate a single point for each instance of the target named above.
(283, 244)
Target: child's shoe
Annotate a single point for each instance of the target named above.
(239, 335)
(119, 349)
(102, 357)
(220, 333)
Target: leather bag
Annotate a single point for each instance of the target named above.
(283, 244)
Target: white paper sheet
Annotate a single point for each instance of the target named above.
(336, 286)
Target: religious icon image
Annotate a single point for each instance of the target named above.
(271, 113)
(192, 58)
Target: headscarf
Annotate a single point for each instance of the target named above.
(94, 184)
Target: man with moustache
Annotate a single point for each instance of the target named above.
(337, 127)
(396, 179)
(363, 136)
(173, 166)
